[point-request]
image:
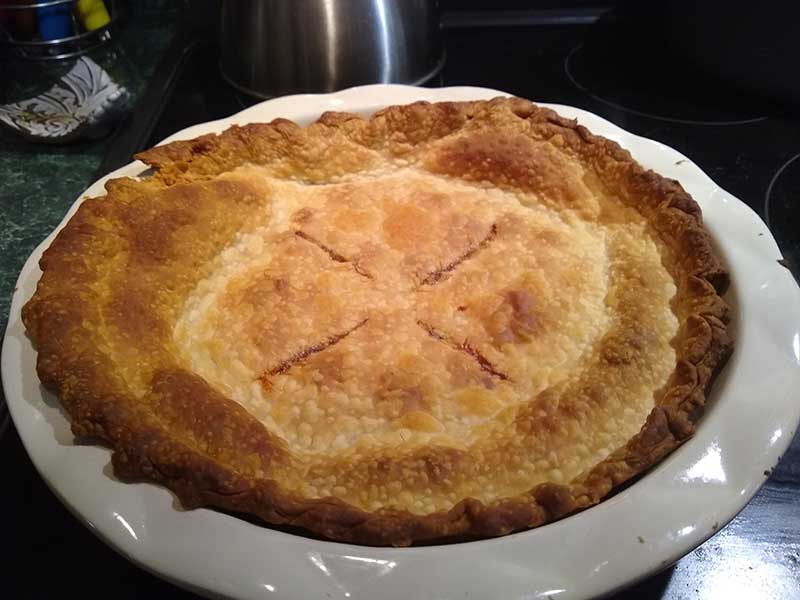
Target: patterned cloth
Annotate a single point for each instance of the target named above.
(77, 104)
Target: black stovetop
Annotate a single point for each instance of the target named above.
(749, 146)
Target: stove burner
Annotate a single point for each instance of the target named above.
(4, 417)
(782, 211)
(616, 78)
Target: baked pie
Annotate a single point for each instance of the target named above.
(447, 321)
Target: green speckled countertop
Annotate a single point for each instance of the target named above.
(39, 182)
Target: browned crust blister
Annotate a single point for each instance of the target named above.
(177, 430)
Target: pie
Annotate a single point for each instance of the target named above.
(447, 321)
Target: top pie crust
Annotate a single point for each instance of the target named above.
(446, 321)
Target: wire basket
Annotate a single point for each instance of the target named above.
(64, 47)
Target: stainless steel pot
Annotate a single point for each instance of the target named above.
(275, 47)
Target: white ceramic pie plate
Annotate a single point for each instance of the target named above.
(752, 416)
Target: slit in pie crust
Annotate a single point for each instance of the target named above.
(447, 321)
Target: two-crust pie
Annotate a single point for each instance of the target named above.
(446, 321)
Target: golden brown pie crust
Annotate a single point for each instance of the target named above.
(116, 277)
